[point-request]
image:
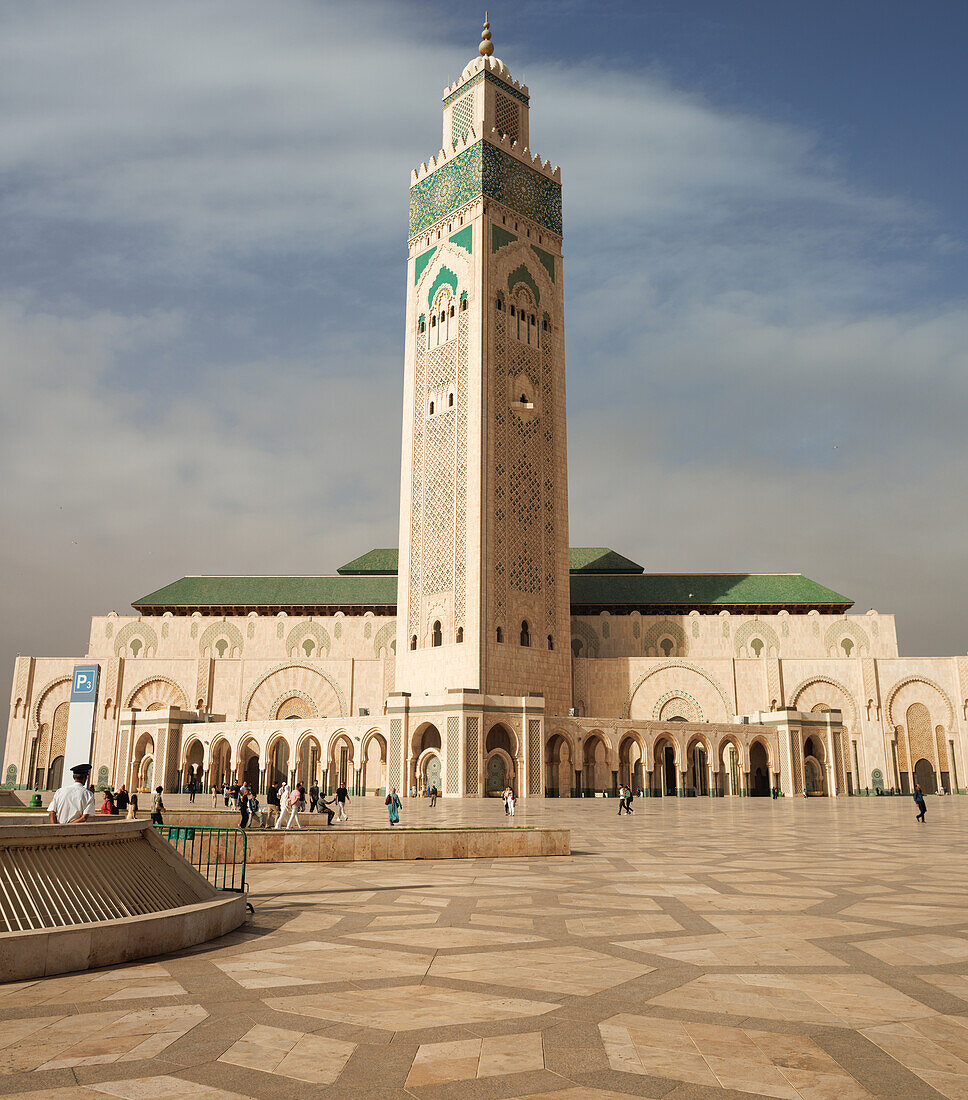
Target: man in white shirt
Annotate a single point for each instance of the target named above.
(74, 801)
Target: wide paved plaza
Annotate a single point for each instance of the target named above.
(700, 948)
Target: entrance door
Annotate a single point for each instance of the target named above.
(432, 772)
(813, 773)
(497, 775)
(924, 774)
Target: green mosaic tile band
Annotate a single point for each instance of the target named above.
(483, 168)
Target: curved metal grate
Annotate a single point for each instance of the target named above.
(50, 885)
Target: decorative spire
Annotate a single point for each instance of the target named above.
(486, 48)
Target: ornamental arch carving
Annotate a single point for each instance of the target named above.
(308, 639)
(137, 639)
(844, 631)
(289, 680)
(744, 640)
(816, 689)
(156, 692)
(54, 692)
(221, 632)
(656, 638)
(582, 632)
(678, 678)
(911, 690)
(385, 637)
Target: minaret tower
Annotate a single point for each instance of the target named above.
(483, 597)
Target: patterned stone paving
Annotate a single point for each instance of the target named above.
(793, 949)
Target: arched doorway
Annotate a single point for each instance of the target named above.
(428, 771)
(730, 762)
(194, 764)
(307, 766)
(499, 769)
(697, 767)
(142, 766)
(375, 765)
(340, 771)
(249, 763)
(924, 774)
(759, 782)
(596, 777)
(559, 767)
(664, 771)
(221, 760)
(630, 771)
(814, 772)
(278, 771)
(56, 773)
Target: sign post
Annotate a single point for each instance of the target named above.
(80, 717)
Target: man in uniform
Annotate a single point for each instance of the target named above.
(74, 801)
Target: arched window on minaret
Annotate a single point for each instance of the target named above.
(437, 634)
(460, 634)
(413, 641)
(500, 634)
(551, 642)
(525, 633)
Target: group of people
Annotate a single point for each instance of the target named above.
(625, 797)
(430, 792)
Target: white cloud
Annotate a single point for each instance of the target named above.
(201, 315)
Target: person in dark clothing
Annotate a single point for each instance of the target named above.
(433, 795)
(192, 790)
(919, 802)
(272, 801)
(313, 797)
(121, 800)
(342, 797)
(326, 807)
(242, 794)
(225, 794)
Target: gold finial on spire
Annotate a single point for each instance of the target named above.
(486, 48)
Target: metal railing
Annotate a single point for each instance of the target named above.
(217, 853)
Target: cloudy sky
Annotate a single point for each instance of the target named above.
(202, 256)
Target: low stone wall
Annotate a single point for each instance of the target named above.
(345, 845)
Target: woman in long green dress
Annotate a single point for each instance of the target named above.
(393, 806)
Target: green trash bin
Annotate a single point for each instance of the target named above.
(35, 800)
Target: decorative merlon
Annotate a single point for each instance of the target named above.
(495, 137)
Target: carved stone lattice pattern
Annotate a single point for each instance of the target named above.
(453, 755)
(920, 733)
(462, 118)
(471, 753)
(797, 756)
(506, 116)
(396, 751)
(439, 462)
(203, 677)
(389, 673)
(58, 737)
(460, 536)
(534, 756)
(140, 631)
(943, 764)
(123, 758)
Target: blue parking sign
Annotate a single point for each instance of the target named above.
(84, 683)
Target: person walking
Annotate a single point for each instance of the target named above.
(313, 797)
(157, 807)
(133, 806)
(121, 800)
(192, 791)
(342, 797)
(282, 796)
(225, 794)
(433, 795)
(214, 796)
(509, 802)
(243, 807)
(393, 806)
(272, 805)
(621, 801)
(919, 801)
(292, 805)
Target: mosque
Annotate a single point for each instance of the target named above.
(486, 651)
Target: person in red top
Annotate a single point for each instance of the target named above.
(107, 806)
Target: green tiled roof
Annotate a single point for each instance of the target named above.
(590, 592)
(272, 592)
(581, 559)
(599, 559)
(375, 563)
(699, 590)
